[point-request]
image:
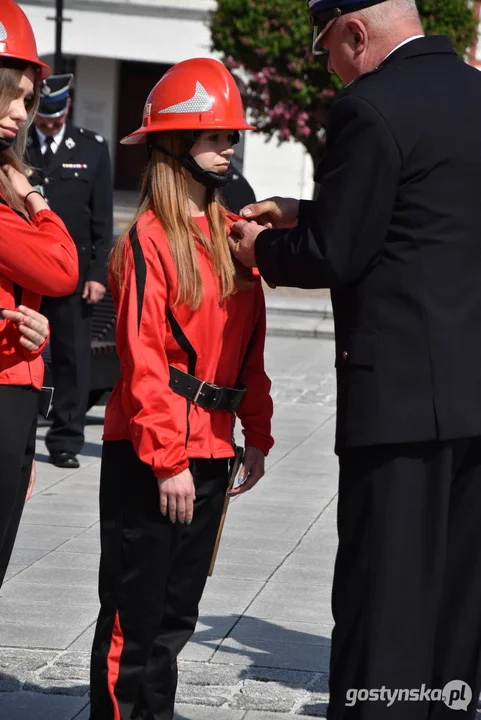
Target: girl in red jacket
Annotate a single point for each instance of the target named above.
(37, 256)
(190, 336)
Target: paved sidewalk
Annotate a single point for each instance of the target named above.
(261, 648)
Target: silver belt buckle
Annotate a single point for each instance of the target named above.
(196, 396)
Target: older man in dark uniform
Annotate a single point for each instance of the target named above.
(395, 232)
(72, 169)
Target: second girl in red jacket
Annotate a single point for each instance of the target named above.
(190, 337)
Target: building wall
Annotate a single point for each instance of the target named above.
(96, 95)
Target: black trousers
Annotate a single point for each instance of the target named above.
(70, 335)
(152, 575)
(18, 424)
(407, 582)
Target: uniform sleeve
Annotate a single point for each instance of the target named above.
(102, 219)
(40, 257)
(158, 417)
(341, 234)
(256, 408)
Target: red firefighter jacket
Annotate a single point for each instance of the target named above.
(37, 257)
(210, 343)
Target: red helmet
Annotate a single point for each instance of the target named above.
(196, 94)
(17, 40)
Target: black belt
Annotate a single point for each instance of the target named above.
(206, 395)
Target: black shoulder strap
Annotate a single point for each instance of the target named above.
(140, 271)
(246, 356)
(184, 343)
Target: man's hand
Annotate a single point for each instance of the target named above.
(242, 241)
(32, 326)
(252, 470)
(177, 495)
(33, 477)
(280, 212)
(93, 292)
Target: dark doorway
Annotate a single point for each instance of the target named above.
(136, 81)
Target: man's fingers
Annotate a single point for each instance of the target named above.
(255, 210)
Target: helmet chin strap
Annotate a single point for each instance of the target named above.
(6, 143)
(207, 178)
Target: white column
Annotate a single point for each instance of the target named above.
(96, 96)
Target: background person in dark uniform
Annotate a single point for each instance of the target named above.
(395, 232)
(72, 168)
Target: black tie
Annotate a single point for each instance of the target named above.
(48, 154)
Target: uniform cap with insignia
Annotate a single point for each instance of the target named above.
(54, 95)
(323, 13)
(17, 40)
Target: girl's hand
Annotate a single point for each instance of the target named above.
(18, 181)
(32, 326)
(252, 470)
(177, 495)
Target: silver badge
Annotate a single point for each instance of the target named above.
(70, 143)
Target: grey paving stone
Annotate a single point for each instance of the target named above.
(56, 577)
(43, 537)
(286, 632)
(197, 695)
(265, 696)
(83, 643)
(194, 673)
(35, 635)
(41, 593)
(304, 576)
(69, 561)
(288, 678)
(19, 611)
(275, 611)
(254, 715)
(274, 654)
(314, 707)
(201, 650)
(14, 660)
(31, 705)
(194, 712)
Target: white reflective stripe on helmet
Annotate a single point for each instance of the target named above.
(201, 101)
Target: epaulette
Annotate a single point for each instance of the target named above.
(92, 135)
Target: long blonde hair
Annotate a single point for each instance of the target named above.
(164, 190)
(11, 72)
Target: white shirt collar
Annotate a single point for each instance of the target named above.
(57, 140)
(404, 42)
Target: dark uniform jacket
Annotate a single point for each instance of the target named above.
(78, 187)
(396, 234)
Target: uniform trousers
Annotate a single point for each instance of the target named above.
(152, 575)
(70, 326)
(18, 424)
(407, 582)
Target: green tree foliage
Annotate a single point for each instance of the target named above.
(289, 90)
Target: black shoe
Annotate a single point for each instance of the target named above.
(65, 460)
